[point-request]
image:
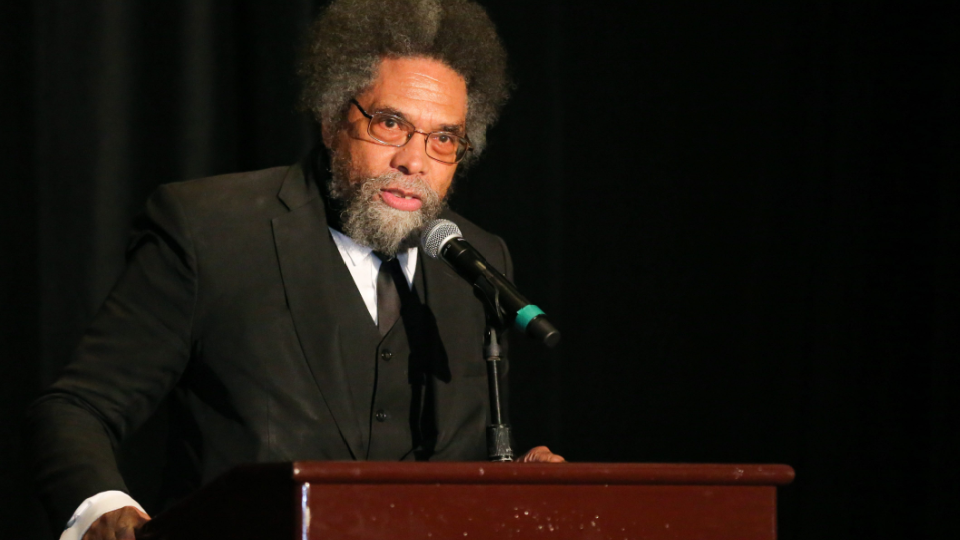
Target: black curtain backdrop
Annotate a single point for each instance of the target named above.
(741, 216)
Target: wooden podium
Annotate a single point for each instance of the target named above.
(478, 500)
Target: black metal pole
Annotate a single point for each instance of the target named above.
(498, 433)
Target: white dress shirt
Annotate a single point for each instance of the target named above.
(363, 266)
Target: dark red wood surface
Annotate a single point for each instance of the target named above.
(537, 473)
(558, 511)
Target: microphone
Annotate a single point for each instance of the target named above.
(442, 239)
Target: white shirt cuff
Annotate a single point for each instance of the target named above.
(94, 507)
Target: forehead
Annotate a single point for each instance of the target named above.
(423, 89)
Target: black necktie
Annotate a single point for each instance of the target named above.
(389, 279)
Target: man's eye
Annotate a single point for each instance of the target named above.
(443, 139)
(390, 123)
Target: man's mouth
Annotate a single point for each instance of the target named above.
(401, 199)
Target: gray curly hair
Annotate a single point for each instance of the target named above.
(350, 37)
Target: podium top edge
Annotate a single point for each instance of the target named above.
(337, 472)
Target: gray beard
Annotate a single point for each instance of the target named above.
(368, 220)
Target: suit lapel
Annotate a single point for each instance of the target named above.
(314, 292)
(449, 301)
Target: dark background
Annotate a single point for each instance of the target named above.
(741, 217)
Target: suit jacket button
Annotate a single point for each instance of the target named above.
(386, 354)
(381, 415)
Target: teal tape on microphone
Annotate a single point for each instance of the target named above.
(525, 315)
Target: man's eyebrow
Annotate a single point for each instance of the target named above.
(457, 129)
(390, 110)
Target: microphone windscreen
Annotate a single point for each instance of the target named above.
(438, 233)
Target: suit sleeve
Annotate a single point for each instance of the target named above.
(130, 357)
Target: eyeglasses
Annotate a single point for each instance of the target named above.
(391, 130)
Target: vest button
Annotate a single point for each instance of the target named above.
(381, 415)
(386, 354)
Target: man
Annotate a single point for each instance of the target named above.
(287, 311)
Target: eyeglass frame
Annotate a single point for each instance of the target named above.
(426, 135)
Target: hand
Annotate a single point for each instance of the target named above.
(120, 524)
(541, 454)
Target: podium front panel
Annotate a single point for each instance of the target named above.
(449, 511)
(562, 501)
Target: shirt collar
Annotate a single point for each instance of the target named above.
(355, 253)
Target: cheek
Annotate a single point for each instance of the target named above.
(369, 159)
(441, 182)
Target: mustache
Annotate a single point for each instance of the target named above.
(413, 185)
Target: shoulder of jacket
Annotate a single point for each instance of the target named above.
(471, 231)
(221, 195)
(489, 244)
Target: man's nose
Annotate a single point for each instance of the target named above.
(411, 158)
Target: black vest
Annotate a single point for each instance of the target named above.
(388, 380)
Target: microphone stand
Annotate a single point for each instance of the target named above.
(498, 433)
(437, 241)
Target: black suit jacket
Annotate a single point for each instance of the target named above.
(232, 299)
